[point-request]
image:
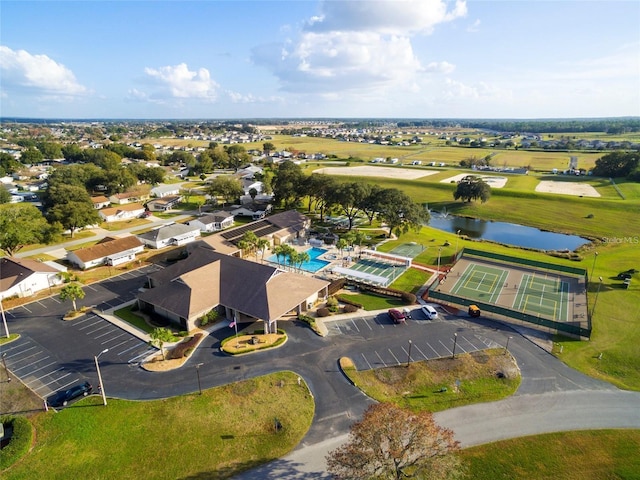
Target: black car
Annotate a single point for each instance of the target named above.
(63, 397)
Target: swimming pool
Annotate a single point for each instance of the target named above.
(313, 265)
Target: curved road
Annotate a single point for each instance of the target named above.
(551, 397)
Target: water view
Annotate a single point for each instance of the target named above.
(509, 233)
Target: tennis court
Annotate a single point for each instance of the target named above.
(411, 250)
(542, 294)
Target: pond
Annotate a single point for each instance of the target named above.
(509, 233)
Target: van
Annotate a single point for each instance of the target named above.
(429, 312)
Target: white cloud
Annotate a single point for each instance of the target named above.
(358, 46)
(394, 17)
(440, 67)
(22, 71)
(474, 27)
(177, 81)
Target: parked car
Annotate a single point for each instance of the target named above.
(397, 316)
(63, 397)
(430, 312)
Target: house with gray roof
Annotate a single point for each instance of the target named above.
(164, 190)
(213, 222)
(174, 234)
(239, 289)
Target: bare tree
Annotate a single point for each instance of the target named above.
(392, 443)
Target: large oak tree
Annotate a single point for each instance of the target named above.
(392, 443)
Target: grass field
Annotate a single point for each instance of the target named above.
(582, 455)
(214, 435)
(442, 383)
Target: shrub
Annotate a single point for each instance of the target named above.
(20, 441)
(408, 298)
(349, 308)
(323, 312)
(181, 350)
(345, 299)
(308, 320)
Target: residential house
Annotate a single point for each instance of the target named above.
(174, 234)
(255, 210)
(213, 222)
(122, 212)
(163, 204)
(23, 277)
(239, 289)
(129, 197)
(100, 201)
(161, 191)
(108, 251)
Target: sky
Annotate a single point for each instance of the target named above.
(190, 59)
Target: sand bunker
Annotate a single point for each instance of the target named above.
(567, 188)
(493, 180)
(371, 171)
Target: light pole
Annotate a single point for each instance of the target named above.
(439, 252)
(4, 362)
(506, 349)
(104, 395)
(457, 238)
(455, 341)
(593, 267)
(198, 375)
(409, 354)
(4, 320)
(593, 310)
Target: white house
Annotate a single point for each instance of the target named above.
(109, 251)
(128, 197)
(122, 212)
(170, 235)
(161, 191)
(22, 277)
(212, 222)
(163, 204)
(100, 201)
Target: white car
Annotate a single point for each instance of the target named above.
(430, 312)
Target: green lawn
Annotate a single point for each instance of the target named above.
(582, 455)
(214, 435)
(129, 316)
(442, 383)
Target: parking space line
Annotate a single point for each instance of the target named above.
(91, 288)
(54, 299)
(116, 346)
(42, 304)
(367, 323)
(466, 340)
(110, 332)
(106, 325)
(113, 338)
(461, 348)
(30, 364)
(19, 351)
(446, 348)
(98, 320)
(381, 361)
(146, 352)
(421, 352)
(365, 359)
(45, 366)
(57, 380)
(130, 348)
(434, 350)
(80, 322)
(394, 356)
(24, 306)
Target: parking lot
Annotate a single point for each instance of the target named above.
(53, 354)
(429, 339)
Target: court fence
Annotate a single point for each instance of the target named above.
(569, 328)
(524, 261)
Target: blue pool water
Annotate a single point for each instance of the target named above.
(313, 265)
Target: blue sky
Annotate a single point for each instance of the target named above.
(303, 58)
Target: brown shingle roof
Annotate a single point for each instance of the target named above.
(207, 279)
(107, 212)
(107, 246)
(13, 270)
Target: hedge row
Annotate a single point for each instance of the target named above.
(184, 349)
(336, 286)
(20, 441)
(345, 299)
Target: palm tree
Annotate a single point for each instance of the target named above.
(261, 245)
(302, 258)
(72, 292)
